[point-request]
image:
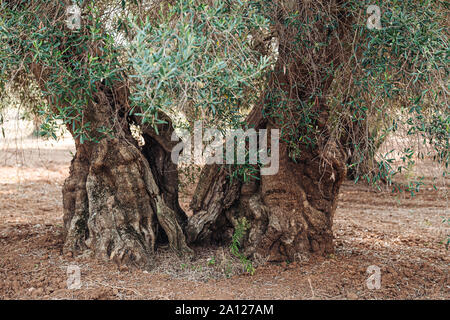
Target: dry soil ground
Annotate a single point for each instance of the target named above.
(405, 237)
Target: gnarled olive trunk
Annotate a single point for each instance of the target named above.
(120, 199)
(289, 214)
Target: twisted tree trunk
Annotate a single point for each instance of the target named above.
(289, 214)
(120, 200)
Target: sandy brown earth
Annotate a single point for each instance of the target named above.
(405, 237)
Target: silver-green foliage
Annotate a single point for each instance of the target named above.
(198, 59)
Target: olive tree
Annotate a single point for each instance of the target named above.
(313, 70)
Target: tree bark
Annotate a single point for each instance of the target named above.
(290, 214)
(120, 200)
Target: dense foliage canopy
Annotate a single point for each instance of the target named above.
(211, 60)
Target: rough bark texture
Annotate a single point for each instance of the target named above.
(75, 202)
(121, 221)
(120, 200)
(290, 214)
(301, 200)
(215, 194)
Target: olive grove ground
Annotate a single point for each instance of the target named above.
(405, 237)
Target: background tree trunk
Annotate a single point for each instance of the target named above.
(362, 146)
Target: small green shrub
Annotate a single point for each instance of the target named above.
(239, 232)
